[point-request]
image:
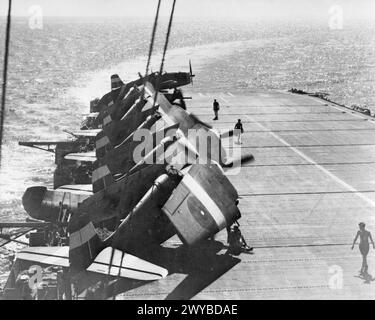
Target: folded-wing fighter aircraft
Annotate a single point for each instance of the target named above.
(167, 80)
(47, 205)
(118, 164)
(117, 133)
(144, 203)
(180, 201)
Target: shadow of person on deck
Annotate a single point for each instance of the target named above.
(367, 277)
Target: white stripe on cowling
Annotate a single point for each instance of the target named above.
(147, 106)
(100, 173)
(107, 120)
(117, 263)
(201, 194)
(82, 236)
(102, 142)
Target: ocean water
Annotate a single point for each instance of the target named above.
(56, 71)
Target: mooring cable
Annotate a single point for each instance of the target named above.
(164, 53)
(152, 41)
(5, 73)
(167, 38)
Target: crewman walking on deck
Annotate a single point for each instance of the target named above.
(238, 131)
(216, 108)
(364, 245)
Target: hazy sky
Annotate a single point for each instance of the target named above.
(227, 8)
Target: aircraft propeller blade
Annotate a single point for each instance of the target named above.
(196, 119)
(227, 134)
(247, 158)
(182, 101)
(191, 73)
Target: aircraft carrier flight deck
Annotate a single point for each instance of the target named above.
(301, 200)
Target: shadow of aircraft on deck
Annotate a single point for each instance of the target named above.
(203, 266)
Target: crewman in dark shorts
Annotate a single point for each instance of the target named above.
(364, 245)
(216, 108)
(236, 241)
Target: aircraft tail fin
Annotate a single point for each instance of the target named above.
(84, 246)
(116, 82)
(86, 251)
(57, 256)
(101, 178)
(115, 262)
(102, 144)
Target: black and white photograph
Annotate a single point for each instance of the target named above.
(206, 150)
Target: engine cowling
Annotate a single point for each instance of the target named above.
(43, 204)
